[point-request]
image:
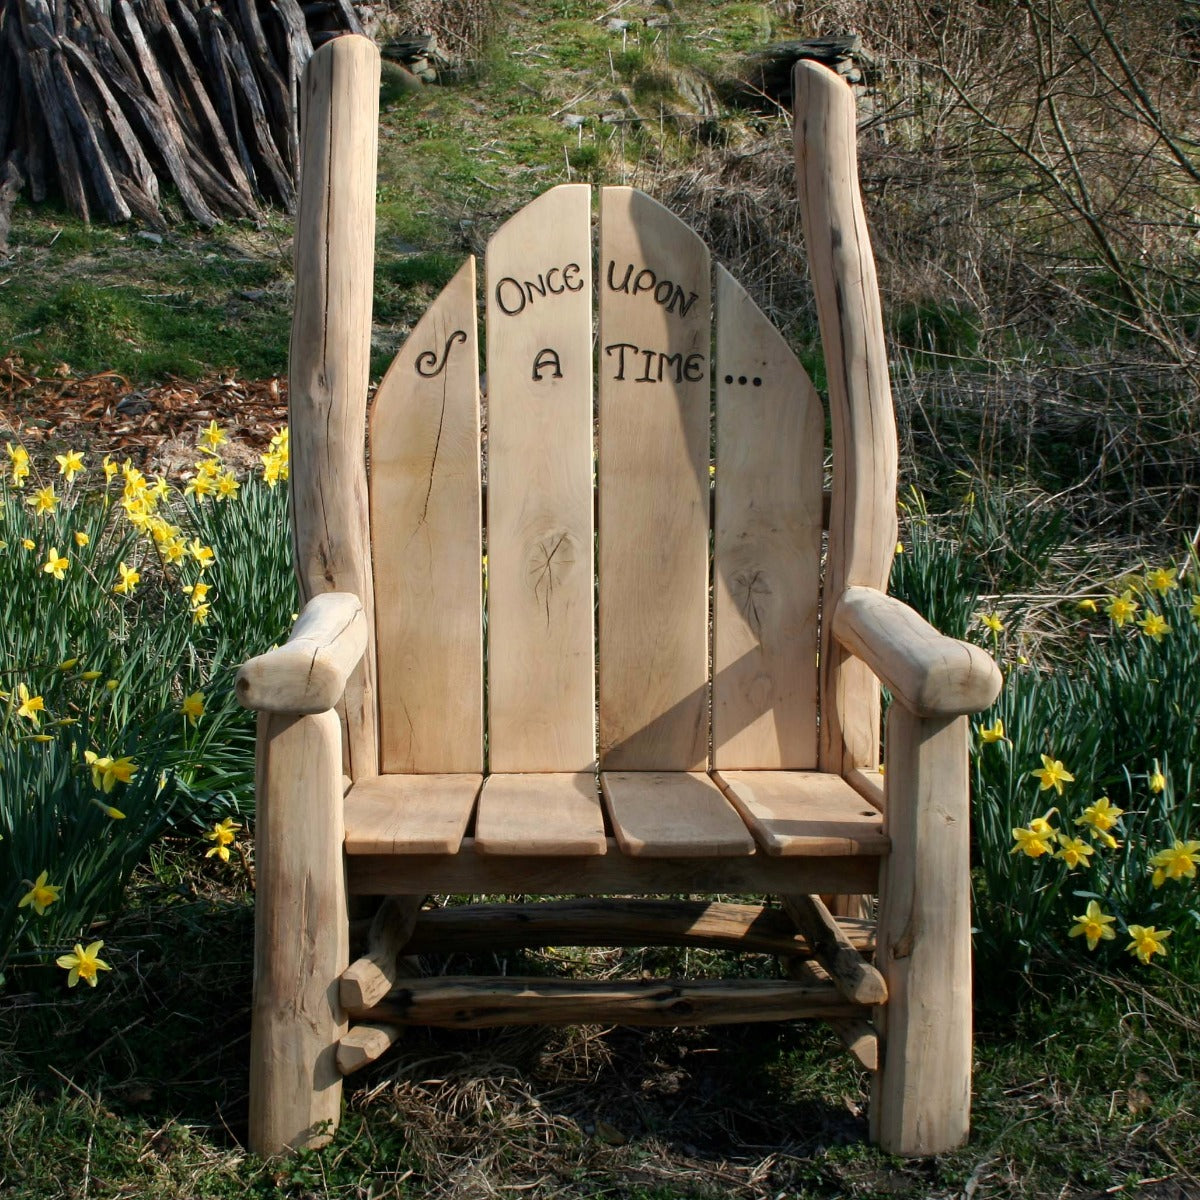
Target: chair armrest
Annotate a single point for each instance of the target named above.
(308, 673)
(930, 674)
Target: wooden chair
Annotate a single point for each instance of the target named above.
(399, 756)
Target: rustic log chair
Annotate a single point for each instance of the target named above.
(379, 774)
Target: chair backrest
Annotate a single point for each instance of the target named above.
(601, 523)
(603, 508)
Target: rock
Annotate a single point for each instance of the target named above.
(573, 120)
(148, 235)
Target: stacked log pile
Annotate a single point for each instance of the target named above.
(113, 102)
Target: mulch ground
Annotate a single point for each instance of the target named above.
(155, 426)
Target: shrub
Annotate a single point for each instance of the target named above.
(126, 605)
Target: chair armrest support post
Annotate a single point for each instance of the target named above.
(930, 674)
(308, 673)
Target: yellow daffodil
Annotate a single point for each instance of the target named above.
(1036, 838)
(1052, 774)
(81, 538)
(200, 486)
(899, 547)
(1075, 852)
(29, 706)
(193, 707)
(1153, 626)
(223, 835)
(107, 772)
(69, 464)
(227, 486)
(18, 459)
(1094, 925)
(1146, 941)
(200, 613)
(135, 481)
(202, 554)
(1156, 781)
(1087, 605)
(107, 809)
(213, 436)
(90, 676)
(1161, 580)
(209, 468)
(29, 543)
(56, 564)
(83, 964)
(197, 593)
(1122, 608)
(129, 579)
(1100, 816)
(68, 664)
(110, 468)
(175, 550)
(44, 500)
(992, 733)
(1176, 862)
(991, 621)
(41, 895)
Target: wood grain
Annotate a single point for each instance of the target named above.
(856, 980)
(803, 812)
(766, 543)
(541, 672)
(654, 300)
(468, 1002)
(922, 1096)
(862, 519)
(672, 814)
(426, 534)
(371, 977)
(301, 934)
(929, 673)
(331, 352)
(308, 673)
(613, 873)
(409, 814)
(364, 1044)
(539, 815)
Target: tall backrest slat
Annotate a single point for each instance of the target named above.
(330, 356)
(862, 519)
(766, 544)
(425, 532)
(541, 673)
(655, 335)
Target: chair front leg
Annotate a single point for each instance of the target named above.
(922, 1091)
(301, 933)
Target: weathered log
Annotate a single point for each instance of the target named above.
(66, 157)
(477, 1002)
(96, 153)
(856, 980)
(264, 143)
(139, 168)
(369, 979)
(364, 1044)
(11, 181)
(858, 1035)
(752, 928)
